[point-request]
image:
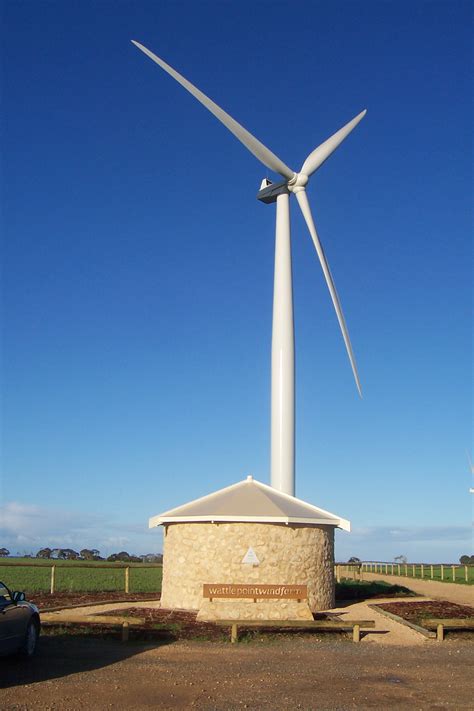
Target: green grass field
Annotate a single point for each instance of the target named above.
(415, 571)
(34, 575)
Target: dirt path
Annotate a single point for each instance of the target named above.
(73, 674)
(462, 594)
(96, 609)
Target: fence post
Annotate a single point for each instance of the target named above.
(53, 570)
(466, 574)
(442, 571)
(422, 571)
(398, 568)
(413, 570)
(454, 573)
(431, 572)
(406, 570)
(386, 568)
(127, 579)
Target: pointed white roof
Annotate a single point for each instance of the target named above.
(250, 501)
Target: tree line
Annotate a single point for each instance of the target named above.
(88, 554)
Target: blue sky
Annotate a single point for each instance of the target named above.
(138, 266)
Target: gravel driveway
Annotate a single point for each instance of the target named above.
(281, 673)
(454, 592)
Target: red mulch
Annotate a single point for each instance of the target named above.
(418, 611)
(59, 600)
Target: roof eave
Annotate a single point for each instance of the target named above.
(336, 522)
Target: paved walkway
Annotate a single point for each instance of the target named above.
(453, 592)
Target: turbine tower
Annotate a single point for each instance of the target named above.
(283, 360)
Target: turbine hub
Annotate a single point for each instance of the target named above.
(297, 182)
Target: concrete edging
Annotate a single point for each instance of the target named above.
(396, 618)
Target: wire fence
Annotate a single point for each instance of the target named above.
(441, 572)
(59, 576)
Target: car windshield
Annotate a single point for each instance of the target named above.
(5, 596)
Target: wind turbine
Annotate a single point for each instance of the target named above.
(283, 362)
(471, 490)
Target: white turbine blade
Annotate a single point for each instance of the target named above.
(322, 152)
(470, 463)
(306, 210)
(264, 155)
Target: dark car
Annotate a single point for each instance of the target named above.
(19, 623)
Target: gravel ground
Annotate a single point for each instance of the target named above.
(71, 674)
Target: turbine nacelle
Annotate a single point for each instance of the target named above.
(297, 183)
(269, 191)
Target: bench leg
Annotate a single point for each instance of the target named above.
(356, 633)
(440, 633)
(234, 634)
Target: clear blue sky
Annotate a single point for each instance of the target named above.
(138, 266)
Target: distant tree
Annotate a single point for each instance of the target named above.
(67, 554)
(465, 559)
(44, 553)
(152, 558)
(401, 559)
(4, 552)
(353, 559)
(122, 556)
(90, 554)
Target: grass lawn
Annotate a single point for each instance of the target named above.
(363, 590)
(34, 574)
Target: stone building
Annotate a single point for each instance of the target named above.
(248, 533)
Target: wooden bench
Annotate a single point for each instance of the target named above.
(353, 626)
(441, 624)
(95, 621)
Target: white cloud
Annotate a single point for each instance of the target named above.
(25, 528)
(435, 544)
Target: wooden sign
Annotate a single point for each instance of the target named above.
(282, 592)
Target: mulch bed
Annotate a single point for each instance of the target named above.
(64, 600)
(173, 624)
(418, 611)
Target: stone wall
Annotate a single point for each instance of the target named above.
(197, 553)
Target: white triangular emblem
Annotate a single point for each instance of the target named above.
(251, 557)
